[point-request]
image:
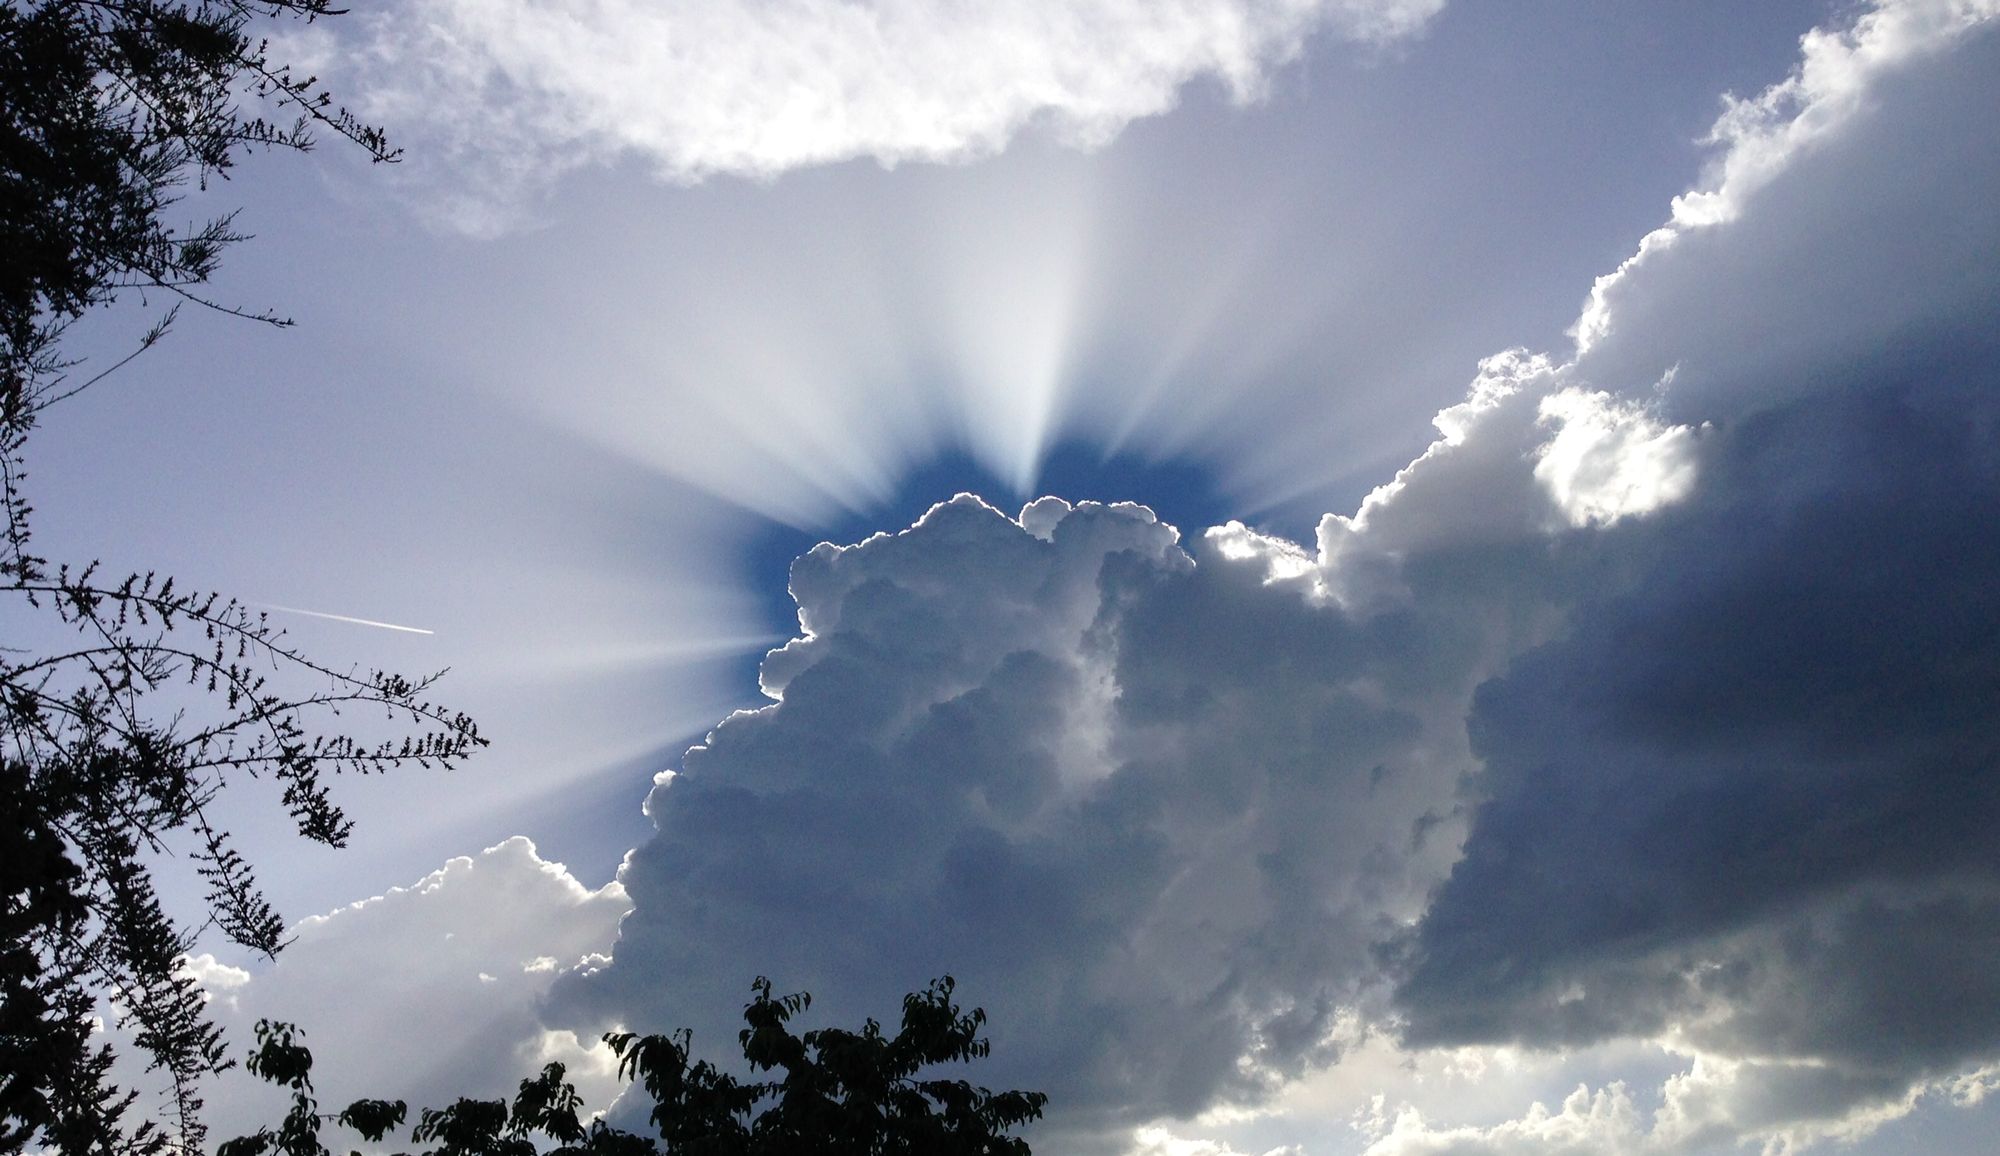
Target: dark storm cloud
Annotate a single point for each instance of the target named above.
(1744, 798)
(1752, 792)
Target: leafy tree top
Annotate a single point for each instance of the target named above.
(108, 109)
(831, 1092)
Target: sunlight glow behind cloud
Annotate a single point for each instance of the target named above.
(1557, 583)
(802, 400)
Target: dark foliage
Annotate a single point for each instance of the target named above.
(135, 703)
(832, 1093)
(107, 109)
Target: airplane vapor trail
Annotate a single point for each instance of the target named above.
(343, 618)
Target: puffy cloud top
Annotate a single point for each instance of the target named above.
(1152, 814)
(424, 993)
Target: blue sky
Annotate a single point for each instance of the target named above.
(1612, 712)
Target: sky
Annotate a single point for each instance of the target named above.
(1377, 577)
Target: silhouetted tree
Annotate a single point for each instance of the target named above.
(833, 1093)
(107, 108)
(126, 704)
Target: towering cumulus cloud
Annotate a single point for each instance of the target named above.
(1655, 702)
(1143, 809)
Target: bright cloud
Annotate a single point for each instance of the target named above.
(1845, 223)
(424, 993)
(1155, 1141)
(1765, 135)
(517, 90)
(1609, 460)
(1151, 811)
(1587, 1123)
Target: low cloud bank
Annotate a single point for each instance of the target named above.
(425, 993)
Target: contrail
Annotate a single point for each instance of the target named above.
(343, 618)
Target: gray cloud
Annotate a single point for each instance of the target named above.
(1741, 798)
(1145, 811)
(1781, 719)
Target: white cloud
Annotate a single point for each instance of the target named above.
(1158, 1141)
(1604, 1122)
(1609, 460)
(424, 993)
(1712, 1105)
(214, 976)
(1764, 135)
(518, 90)
(1844, 216)
(1152, 814)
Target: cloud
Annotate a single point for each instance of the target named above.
(1735, 799)
(1586, 1124)
(424, 993)
(1712, 1106)
(1651, 703)
(515, 92)
(1155, 1141)
(1843, 222)
(1609, 460)
(1740, 802)
(1766, 136)
(1151, 812)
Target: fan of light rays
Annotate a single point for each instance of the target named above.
(853, 330)
(824, 357)
(814, 374)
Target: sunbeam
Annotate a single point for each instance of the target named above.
(993, 315)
